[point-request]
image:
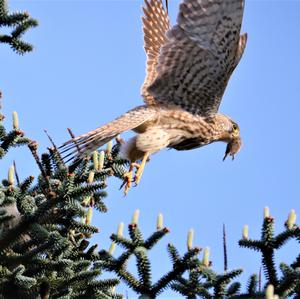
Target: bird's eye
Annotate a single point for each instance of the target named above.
(235, 128)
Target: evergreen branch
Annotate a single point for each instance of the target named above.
(124, 242)
(33, 148)
(2, 129)
(104, 284)
(222, 280)
(25, 185)
(87, 190)
(135, 235)
(187, 262)
(20, 47)
(269, 266)
(82, 277)
(20, 23)
(267, 234)
(155, 238)
(21, 141)
(251, 244)
(10, 139)
(22, 28)
(57, 161)
(19, 280)
(10, 20)
(173, 253)
(25, 204)
(81, 170)
(290, 280)
(296, 263)
(41, 264)
(144, 268)
(46, 163)
(123, 258)
(82, 227)
(99, 205)
(233, 289)
(252, 285)
(129, 279)
(103, 174)
(28, 256)
(285, 236)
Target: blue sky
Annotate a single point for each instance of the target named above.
(87, 69)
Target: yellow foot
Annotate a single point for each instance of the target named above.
(128, 178)
(127, 181)
(140, 169)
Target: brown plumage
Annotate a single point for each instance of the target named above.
(187, 70)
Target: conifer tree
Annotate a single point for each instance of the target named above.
(46, 231)
(19, 23)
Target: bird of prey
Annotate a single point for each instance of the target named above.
(187, 70)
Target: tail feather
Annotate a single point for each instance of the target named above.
(75, 149)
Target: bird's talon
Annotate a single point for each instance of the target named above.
(137, 178)
(140, 169)
(122, 185)
(135, 183)
(128, 176)
(127, 181)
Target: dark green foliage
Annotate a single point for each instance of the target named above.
(14, 138)
(203, 282)
(45, 227)
(137, 247)
(288, 283)
(19, 22)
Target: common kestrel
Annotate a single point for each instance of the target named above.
(187, 71)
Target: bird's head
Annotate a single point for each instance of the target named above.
(234, 141)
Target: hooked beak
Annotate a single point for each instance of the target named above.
(233, 146)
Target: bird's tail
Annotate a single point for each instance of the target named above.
(75, 149)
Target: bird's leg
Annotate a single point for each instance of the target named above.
(128, 177)
(140, 168)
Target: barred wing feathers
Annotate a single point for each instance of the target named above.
(155, 25)
(199, 56)
(75, 149)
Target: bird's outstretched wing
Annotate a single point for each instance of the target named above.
(75, 149)
(155, 25)
(199, 56)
